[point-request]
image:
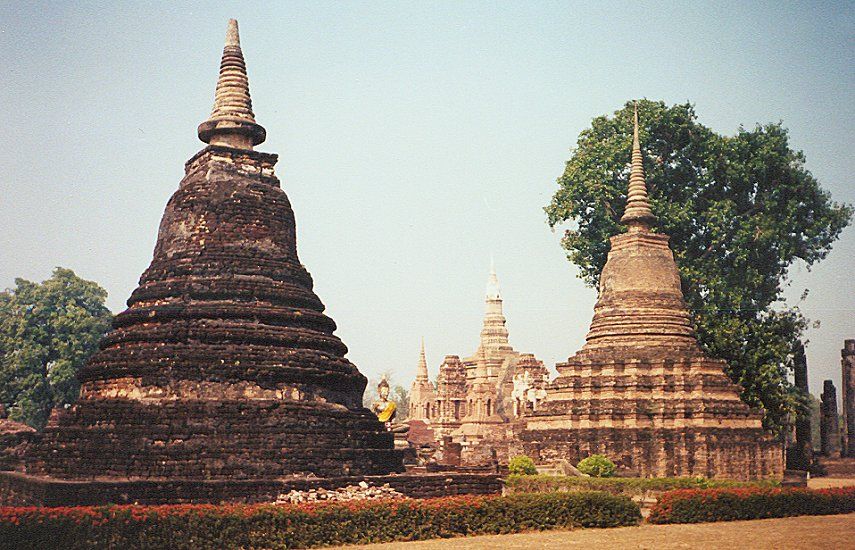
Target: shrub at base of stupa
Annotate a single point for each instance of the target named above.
(522, 465)
(596, 466)
(633, 486)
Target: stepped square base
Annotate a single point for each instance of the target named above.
(739, 454)
(210, 440)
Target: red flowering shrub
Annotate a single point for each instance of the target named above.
(695, 506)
(307, 525)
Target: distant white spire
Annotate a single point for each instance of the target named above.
(494, 334)
(493, 291)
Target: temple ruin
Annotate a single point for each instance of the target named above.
(641, 391)
(829, 423)
(799, 453)
(848, 397)
(475, 399)
(224, 368)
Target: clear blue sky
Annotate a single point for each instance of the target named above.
(416, 139)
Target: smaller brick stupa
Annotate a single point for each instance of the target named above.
(223, 376)
(641, 391)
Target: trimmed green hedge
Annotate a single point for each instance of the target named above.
(696, 506)
(621, 485)
(307, 525)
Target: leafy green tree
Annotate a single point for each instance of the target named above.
(739, 209)
(47, 331)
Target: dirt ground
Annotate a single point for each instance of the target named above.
(826, 482)
(805, 532)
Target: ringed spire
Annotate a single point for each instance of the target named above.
(232, 122)
(422, 371)
(638, 214)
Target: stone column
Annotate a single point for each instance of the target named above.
(848, 394)
(829, 426)
(801, 456)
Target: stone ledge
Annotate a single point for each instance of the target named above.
(17, 489)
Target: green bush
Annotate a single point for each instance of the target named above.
(597, 466)
(307, 525)
(695, 506)
(621, 485)
(522, 465)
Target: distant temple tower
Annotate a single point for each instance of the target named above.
(848, 394)
(641, 391)
(422, 393)
(224, 369)
(475, 399)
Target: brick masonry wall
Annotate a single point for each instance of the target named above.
(724, 453)
(21, 490)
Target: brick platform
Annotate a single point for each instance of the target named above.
(18, 489)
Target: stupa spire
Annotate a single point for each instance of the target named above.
(493, 291)
(422, 371)
(494, 333)
(232, 122)
(637, 215)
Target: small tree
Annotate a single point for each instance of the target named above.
(47, 332)
(522, 465)
(597, 466)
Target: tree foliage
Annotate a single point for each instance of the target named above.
(740, 210)
(47, 331)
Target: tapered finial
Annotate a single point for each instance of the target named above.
(232, 34)
(232, 122)
(493, 291)
(637, 215)
(422, 370)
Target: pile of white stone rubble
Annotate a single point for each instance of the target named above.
(362, 491)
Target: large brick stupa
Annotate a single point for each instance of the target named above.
(641, 391)
(224, 366)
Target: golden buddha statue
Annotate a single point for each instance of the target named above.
(386, 409)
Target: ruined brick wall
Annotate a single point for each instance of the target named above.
(712, 453)
(21, 490)
(14, 441)
(848, 395)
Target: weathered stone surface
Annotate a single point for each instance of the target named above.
(829, 423)
(14, 439)
(800, 456)
(848, 394)
(224, 366)
(362, 491)
(641, 391)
